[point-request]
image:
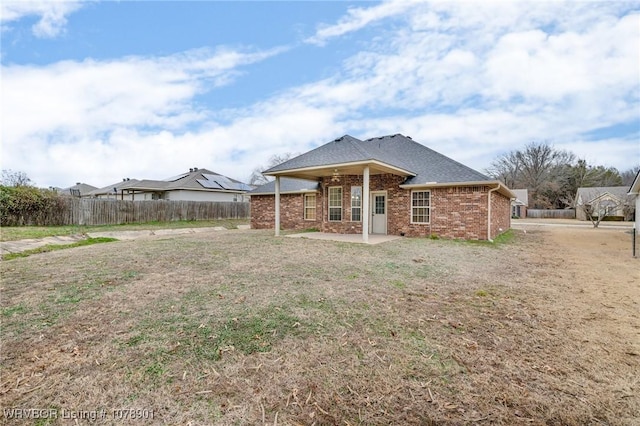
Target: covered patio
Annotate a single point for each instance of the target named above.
(345, 238)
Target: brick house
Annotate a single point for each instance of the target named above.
(386, 185)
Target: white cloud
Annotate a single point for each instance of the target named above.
(470, 82)
(68, 111)
(52, 14)
(495, 76)
(97, 96)
(358, 18)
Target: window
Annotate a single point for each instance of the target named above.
(309, 206)
(335, 204)
(420, 206)
(356, 203)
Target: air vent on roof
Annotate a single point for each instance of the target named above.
(195, 169)
(409, 137)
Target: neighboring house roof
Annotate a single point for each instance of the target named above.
(79, 189)
(194, 180)
(587, 195)
(420, 164)
(109, 189)
(287, 186)
(522, 197)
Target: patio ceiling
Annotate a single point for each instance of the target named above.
(341, 169)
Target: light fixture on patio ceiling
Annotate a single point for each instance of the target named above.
(335, 176)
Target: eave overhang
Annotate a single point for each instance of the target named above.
(299, 191)
(342, 169)
(492, 183)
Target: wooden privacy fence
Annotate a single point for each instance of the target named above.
(551, 214)
(87, 211)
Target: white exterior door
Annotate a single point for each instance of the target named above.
(378, 213)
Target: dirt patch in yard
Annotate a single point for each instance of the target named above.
(240, 327)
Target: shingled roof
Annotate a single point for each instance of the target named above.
(589, 194)
(195, 179)
(288, 186)
(420, 164)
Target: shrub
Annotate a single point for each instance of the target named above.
(27, 205)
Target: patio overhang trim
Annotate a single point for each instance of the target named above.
(299, 191)
(353, 167)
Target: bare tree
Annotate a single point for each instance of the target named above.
(540, 168)
(629, 175)
(506, 168)
(11, 178)
(257, 178)
(601, 206)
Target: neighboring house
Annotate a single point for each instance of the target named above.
(386, 185)
(610, 201)
(77, 190)
(634, 192)
(115, 191)
(194, 185)
(520, 204)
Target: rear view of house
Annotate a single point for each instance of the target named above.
(385, 185)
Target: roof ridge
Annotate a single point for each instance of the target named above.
(362, 150)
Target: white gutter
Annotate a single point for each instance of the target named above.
(489, 211)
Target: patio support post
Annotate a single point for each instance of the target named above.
(365, 205)
(277, 224)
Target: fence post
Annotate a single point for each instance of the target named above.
(633, 239)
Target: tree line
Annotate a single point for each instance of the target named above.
(553, 176)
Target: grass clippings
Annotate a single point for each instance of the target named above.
(245, 328)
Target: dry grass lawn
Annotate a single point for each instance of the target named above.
(240, 327)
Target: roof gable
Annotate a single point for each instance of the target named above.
(421, 164)
(345, 149)
(522, 196)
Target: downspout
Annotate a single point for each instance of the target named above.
(489, 212)
(277, 207)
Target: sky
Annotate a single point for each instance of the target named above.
(96, 91)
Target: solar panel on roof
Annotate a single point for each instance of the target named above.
(222, 182)
(209, 184)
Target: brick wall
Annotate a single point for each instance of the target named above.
(456, 212)
(291, 212)
(500, 214)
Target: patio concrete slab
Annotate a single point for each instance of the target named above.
(345, 238)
